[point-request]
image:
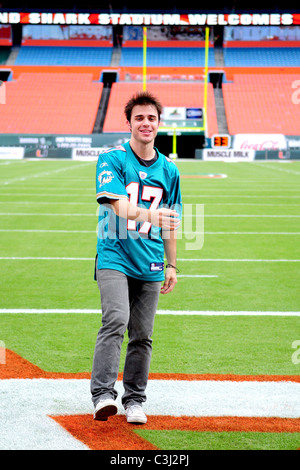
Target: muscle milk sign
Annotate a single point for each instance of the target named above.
(228, 155)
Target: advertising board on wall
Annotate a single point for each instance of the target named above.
(11, 153)
(87, 154)
(259, 142)
(228, 155)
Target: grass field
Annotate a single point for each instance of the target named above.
(234, 312)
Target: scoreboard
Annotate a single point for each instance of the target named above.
(183, 121)
(221, 141)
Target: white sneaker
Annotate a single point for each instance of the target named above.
(134, 414)
(104, 409)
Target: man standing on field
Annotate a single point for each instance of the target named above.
(138, 190)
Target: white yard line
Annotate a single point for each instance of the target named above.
(269, 167)
(256, 204)
(42, 258)
(40, 194)
(49, 258)
(184, 232)
(46, 214)
(259, 189)
(48, 231)
(244, 233)
(239, 196)
(52, 214)
(230, 260)
(76, 203)
(274, 216)
(49, 311)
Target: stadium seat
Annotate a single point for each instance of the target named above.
(262, 57)
(52, 55)
(49, 103)
(167, 57)
(261, 103)
(170, 94)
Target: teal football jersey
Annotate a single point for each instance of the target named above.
(134, 248)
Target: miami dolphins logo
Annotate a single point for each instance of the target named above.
(105, 177)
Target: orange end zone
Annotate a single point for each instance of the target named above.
(117, 434)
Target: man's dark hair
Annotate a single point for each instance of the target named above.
(142, 98)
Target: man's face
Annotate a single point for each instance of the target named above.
(144, 123)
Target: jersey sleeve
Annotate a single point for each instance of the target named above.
(110, 182)
(174, 199)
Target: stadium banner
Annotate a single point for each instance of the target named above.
(11, 153)
(228, 155)
(181, 114)
(48, 141)
(259, 142)
(87, 154)
(45, 152)
(184, 120)
(76, 147)
(157, 19)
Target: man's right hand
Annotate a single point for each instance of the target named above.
(167, 219)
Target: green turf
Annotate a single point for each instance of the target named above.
(191, 440)
(250, 244)
(67, 189)
(194, 345)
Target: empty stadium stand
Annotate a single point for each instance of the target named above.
(47, 103)
(255, 85)
(167, 56)
(262, 57)
(171, 94)
(261, 104)
(59, 55)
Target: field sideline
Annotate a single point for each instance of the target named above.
(227, 338)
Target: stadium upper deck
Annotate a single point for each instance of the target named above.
(258, 66)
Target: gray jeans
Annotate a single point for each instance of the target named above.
(126, 303)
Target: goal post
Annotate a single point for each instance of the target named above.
(183, 126)
(205, 79)
(144, 58)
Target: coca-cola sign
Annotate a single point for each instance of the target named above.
(259, 142)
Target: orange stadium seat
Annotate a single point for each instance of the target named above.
(48, 103)
(171, 94)
(262, 104)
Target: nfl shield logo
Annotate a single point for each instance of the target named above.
(143, 175)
